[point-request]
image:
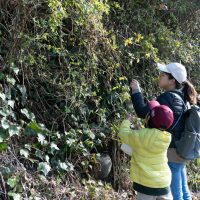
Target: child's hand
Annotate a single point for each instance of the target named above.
(135, 122)
(130, 118)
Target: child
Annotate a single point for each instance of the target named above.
(149, 172)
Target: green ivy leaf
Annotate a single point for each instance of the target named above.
(28, 114)
(14, 68)
(11, 103)
(32, 128)
(15, 196)
(24, 152)
(34, 125)
(54, 147)
(3, 146)
(63, 166)
(3, 96)
(102, 135)
(44, 167)
(2, 76)
(5, 112)
(11, 80)
(41, 139)
(3, 134)
(13, 181)
(37, 198)
(7, 171)
(66, 166)
(5, 123)
(1, 139)
(47, 158)
(39, 154)
(14, 130)
(89, 133)
(28, 146)
(70, 142)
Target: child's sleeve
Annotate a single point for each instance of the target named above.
(128, 135)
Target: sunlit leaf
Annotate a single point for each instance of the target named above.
(14, 130)
(34, 125)
(11, 80)
(3, 96)
(24, 152)
(41, 139)
(39, 154)
(5, 123)
(13, 181)
(54, 147)
(44, 167)
(28, 146)
(14, 68)
(11, 103)
(28, 114)
(89, 133)
(15, 196)
(66, 166)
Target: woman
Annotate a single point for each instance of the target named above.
(172, 79)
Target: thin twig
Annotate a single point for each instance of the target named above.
(3, 187)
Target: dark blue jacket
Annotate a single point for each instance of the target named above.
(174, 100)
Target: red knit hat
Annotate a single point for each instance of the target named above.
(161, 116)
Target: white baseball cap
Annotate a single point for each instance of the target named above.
(177, 70)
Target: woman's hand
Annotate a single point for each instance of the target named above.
(135, 85)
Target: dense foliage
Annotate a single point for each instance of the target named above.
(65, 69)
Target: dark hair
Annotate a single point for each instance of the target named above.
(188, 89)
(190, 92)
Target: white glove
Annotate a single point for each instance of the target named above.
(126, 149)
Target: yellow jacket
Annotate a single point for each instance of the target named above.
(149, 159)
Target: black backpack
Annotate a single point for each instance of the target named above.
(188, 147)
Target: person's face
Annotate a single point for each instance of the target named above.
(164, 81)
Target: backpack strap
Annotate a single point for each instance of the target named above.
(184, 107)
(171, 129)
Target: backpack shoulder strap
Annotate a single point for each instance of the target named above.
(185, 107)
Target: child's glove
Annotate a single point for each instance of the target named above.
(126, 149)
(135, 122)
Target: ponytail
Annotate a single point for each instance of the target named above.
(188, 89)
(190, 92)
